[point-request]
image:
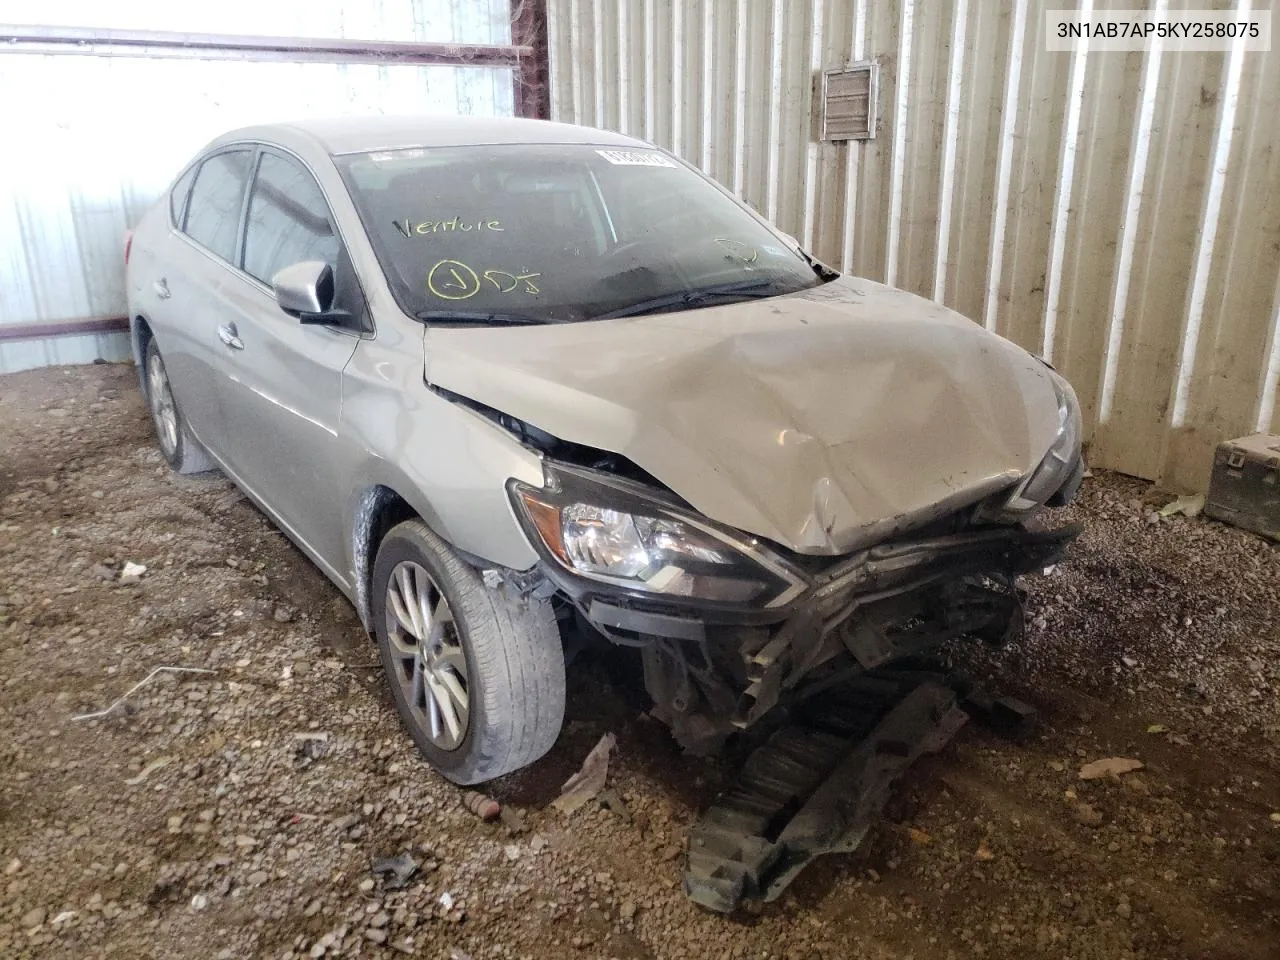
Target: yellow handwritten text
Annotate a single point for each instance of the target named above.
(409, 229)
(455, 280)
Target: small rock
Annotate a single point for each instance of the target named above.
(1275, 817)
(346, 823)
(366, 885)
(282, 614)
(1110, 766)
(1086, 815)
(14, 865)
(33, 918)
(512, 851)
(376, 935)
(245, 842)
(258, 878)
(132, 572)
(175, 823)
(670, 852)
(1123, 910)
(199, 902)
(628, 910)
(312, 908)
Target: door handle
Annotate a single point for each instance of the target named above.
(161, 287)
(227, 334)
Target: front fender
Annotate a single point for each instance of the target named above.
(449, 463)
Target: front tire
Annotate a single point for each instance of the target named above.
(477, 676)
(178, 447)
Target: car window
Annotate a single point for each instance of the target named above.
(288, 220)
(179, 195)
(213, 215)
(560, 232)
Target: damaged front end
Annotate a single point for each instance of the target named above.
(730, 626)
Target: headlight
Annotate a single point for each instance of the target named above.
(610, 531)
(1043, 482)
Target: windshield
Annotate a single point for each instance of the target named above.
(560, 232)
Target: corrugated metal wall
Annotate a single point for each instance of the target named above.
(91, 141)
(1118, 213)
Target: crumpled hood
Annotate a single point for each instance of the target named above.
(823, 420)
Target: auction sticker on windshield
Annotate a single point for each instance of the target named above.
(636, 158)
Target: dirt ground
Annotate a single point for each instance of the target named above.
(235, 813)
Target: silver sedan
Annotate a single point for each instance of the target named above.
(502, 380)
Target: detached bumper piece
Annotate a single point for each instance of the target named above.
(816, 786)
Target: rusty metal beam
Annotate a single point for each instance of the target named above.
(531, 80)
(63, 328)
(208, 46)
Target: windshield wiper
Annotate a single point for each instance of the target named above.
(824, 273)
(477, 316)
(744, 289)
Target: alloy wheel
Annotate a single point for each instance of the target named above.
(430, 664)
(163, 410)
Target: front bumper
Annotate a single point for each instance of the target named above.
(858, 580)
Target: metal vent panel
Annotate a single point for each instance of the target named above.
(849, 102)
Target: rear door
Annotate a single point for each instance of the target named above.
(282, 393)
(186, 282)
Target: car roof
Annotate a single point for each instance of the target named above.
(339, 135)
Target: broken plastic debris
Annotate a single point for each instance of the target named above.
(1188, 505)
(1110, 766)
(588, 781)
(140, 683)
(396, 871)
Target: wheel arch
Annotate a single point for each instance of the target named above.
(139, 336)
(378, 509)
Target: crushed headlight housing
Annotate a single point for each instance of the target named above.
(1055, 469)
(609, 530)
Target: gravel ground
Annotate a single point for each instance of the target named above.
(236, 813)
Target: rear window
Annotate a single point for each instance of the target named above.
(213, 214)
(179, 195)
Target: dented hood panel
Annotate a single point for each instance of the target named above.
(823, 420)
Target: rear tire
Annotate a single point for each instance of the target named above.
(178, 447)
(477, 675)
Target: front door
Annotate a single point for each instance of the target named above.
(282, 393)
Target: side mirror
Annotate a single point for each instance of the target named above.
(305, 290)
